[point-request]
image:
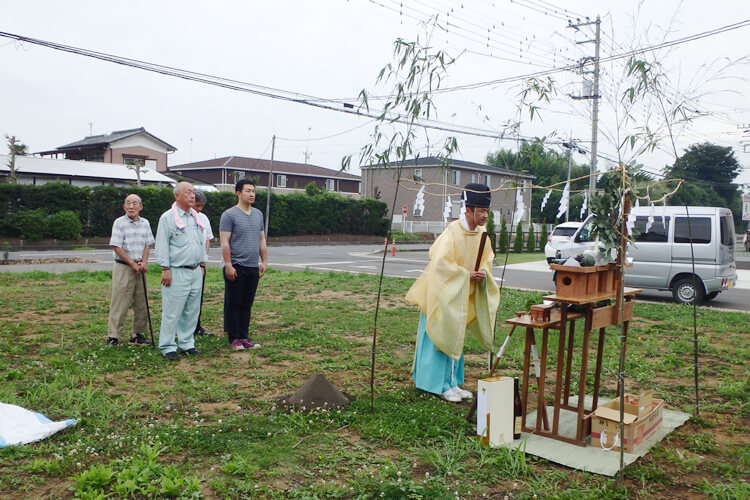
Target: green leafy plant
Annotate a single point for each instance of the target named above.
(94, 480)
(64, 225)
(31, 224)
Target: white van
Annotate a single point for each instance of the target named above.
(663, 257)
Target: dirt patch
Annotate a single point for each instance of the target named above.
(209, 409)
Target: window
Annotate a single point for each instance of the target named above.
(133, 161)
(585, 234)
(699, 228)
(418, 174)
(280, 180)
(727, 230)
(237, 176)
(564, 231)
(455, 177)
(656, 233)
(330, 185)
(486, 180)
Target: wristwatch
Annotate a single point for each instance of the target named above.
(164, 268)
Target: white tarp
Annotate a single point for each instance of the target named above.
(21, 426)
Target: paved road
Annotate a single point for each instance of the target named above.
(369, 259)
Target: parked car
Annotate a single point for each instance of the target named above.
(662, 256)
(559, 236)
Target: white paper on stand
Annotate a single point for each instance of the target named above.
(481, 414)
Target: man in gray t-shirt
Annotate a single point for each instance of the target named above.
(243, 242)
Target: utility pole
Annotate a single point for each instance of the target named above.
(270, 183)
(567, 209)
(12, 164)
(594, 95)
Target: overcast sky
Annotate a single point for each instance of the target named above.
(332, 49)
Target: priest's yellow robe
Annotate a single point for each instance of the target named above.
(451, 303)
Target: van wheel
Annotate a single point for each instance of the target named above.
(685, 291)
(711, 296)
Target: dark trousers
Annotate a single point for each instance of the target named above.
(198, 327)
(238, 301)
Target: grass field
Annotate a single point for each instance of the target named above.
(209, 426)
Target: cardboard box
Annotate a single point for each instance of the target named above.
(495, 410)
(639, 405)
(643, 417)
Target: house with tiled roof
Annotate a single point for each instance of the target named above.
(286, 177)
(133, 146)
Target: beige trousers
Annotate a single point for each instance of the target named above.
(127, 290)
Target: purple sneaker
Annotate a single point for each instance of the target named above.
(236, 345)
(249, 345)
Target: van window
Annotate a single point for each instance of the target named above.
(656, 233)
(727, 230)
(699, 229)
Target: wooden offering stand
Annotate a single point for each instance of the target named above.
(582, 286)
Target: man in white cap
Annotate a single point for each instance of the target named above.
(453, 298)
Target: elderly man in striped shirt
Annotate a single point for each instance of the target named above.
(130, 241)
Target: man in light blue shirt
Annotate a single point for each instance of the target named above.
(181, 253)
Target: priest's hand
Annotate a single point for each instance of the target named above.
(477, 275)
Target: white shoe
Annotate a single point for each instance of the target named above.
(463, 394)
(450, 395)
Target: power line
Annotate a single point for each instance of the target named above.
(327, 104)
(614, 57)
(464, 33)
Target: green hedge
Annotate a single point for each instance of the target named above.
(97, 207)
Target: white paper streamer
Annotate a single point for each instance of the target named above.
(448, 209)
(584, 205)
(520, 207)
(564, 201)
(545, 199)
(419, 203)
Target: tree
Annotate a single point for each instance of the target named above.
(709, 171)
(502, 245)
(518, 240)
(312, 189)
(549, 168)
(15, 148)
(531, 240)
(137, 164)
(543, 236)
(490, 225)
